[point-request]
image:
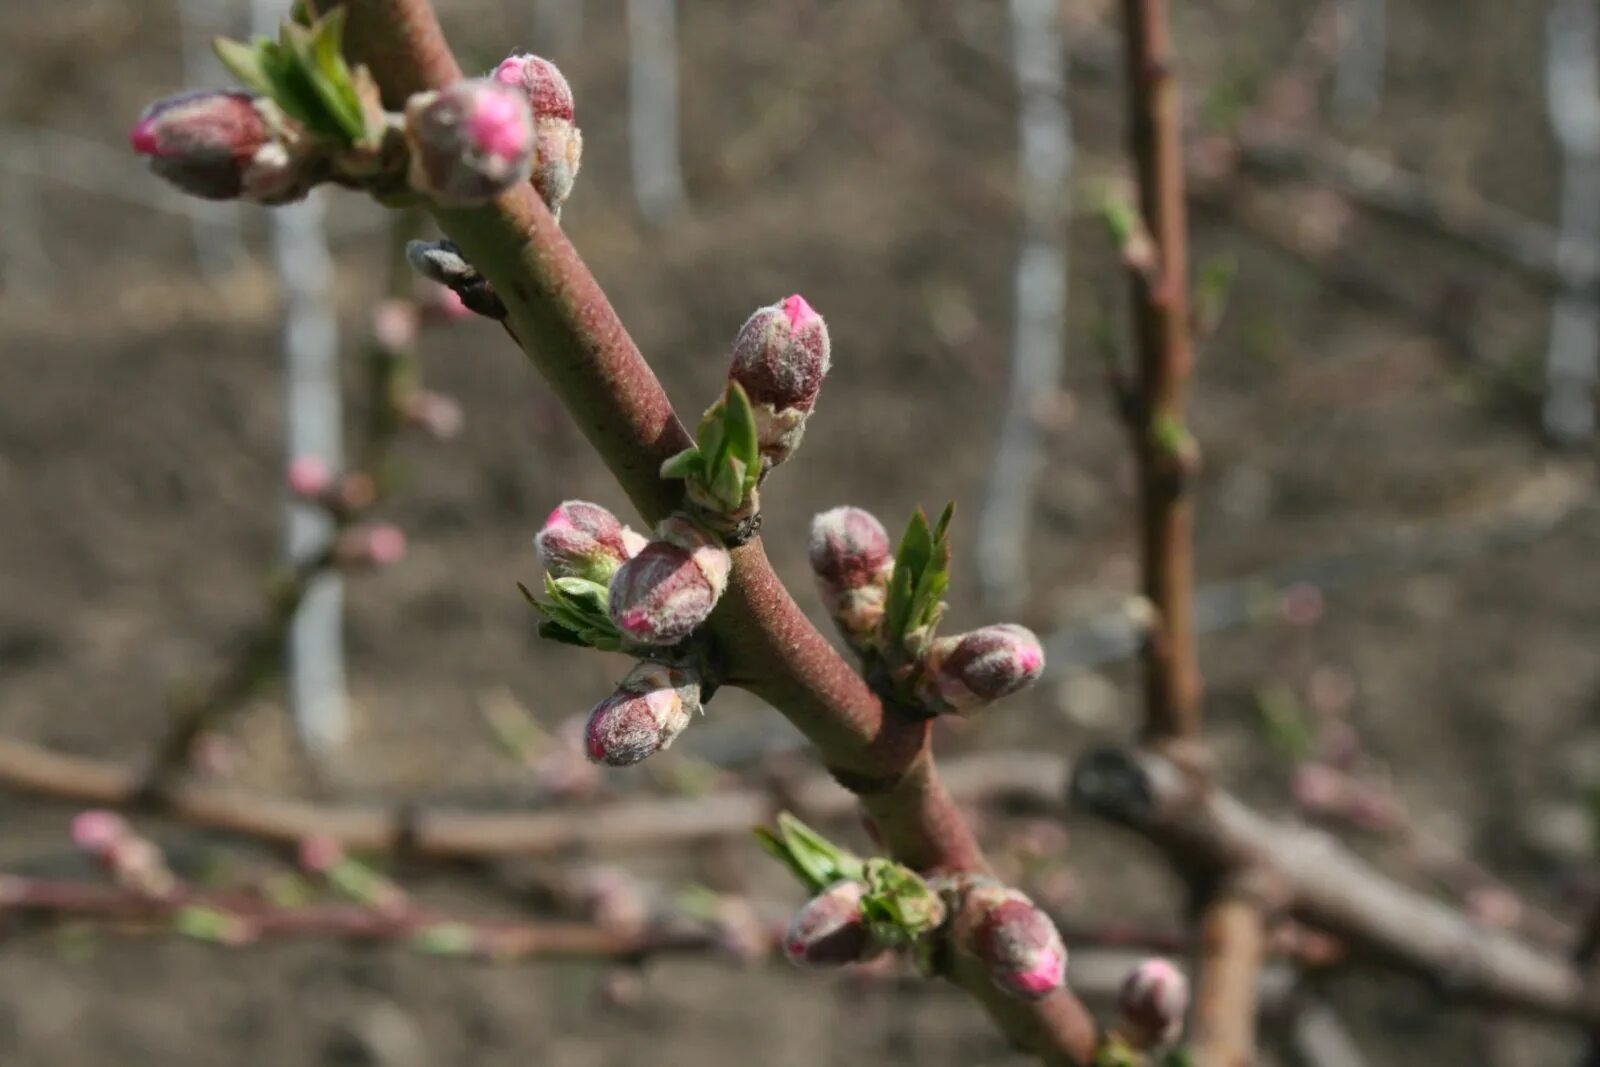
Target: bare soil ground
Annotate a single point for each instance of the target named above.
(863, 155)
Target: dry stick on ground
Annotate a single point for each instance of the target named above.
(567, 327)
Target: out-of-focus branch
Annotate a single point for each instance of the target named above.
(1327, 886)
(1232, 945)
(1162, 327)
(1319, 1038)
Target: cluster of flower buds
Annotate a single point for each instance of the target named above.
(666, 591)
(646, 713)
(132, 861)
(970, 670)
(852, 559)
(831, 929)
(222, 145)
(558, 144)
(584, 540)
(780, 358)
(1014, 941)
(469, 142)
(1152, 1003)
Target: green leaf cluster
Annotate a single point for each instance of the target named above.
(921, 577)
(724, 463)
(810, 857)
(305, 74)
(575, 613)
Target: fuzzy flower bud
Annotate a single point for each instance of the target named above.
(308, 478)
(372, 544)
(217, 146)
(1015, 941)
(852, 559)
(780, 357)
(96, 831)
(558, 142)
(830, 930)
(469, 143)
(667, 591)
(649, 709)
(1152, 1002)
(584, 540)
(972, 669)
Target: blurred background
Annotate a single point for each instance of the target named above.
(1396, 227)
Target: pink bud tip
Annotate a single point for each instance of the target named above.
(798, 311)
(499, 126)
(1045, 975)
(547, 90)
(308, 477)
(830, 930)
(386, 544)
(1153, 1000)
(319, 853)
(143, 137)
(98, 831)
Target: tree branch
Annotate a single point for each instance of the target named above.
(1232, 946)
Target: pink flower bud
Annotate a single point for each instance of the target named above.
(780, 357)
(830, 930)
(96, 831)
(583, 540)
(1153, 1002)
(1015, 941)
(558, 143)
(206, 142)
(469, 143)
(394, 324)
(849, 549)
(549, 95)
(443, 303)
(377, 544)
(435, 414)
(649, 709)
(972, 669)
(318, 854)
(308, 478)
(667, 591)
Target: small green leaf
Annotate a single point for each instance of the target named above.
(244, 62)
(1283, 721)
(812, 858)
(685, 464)
(445, 939)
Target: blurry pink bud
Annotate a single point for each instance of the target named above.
(780, 357)
(319, 854)
(1153, 1001)
(649, 709)
(96, 831)
(972, 669)
(435, 414)
(1015, 941)
(470, 142)
(208, 143)
(378, 544)
(394, 325)
(583, 540)
(308, 478)
(138, 864)
(1301, 604)
(1320, 789)
(666, 591)
(830, 930)
(445, 303)
(549, 95)
(558, 142)
(615, 900)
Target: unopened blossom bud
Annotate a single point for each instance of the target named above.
(319, 854)
(308, 478)
(667, 591)
(972, 669)
(558, 142)
(470, 142)
(584, 540)
(852, 559)
(375, 544)
(830, 930)
(395, 324)
(649, 709)
(435, 414)
(1152, 1003)
(95, 831)
(1015, 941)
(780, 358)
(217, 146)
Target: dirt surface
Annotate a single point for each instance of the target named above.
(861, 154)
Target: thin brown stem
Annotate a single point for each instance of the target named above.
(1161, 324)
(1232, 947)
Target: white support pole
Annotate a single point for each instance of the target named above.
(217, 242)
(315, 666)
(653, 107)
(1358, 72)
(1572, 96)
(1044, 170)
